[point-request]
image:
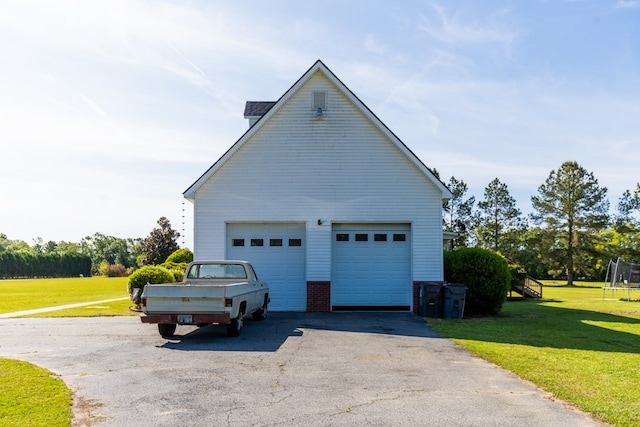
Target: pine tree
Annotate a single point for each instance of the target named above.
(458, 211)
(498, 220)
(571, 207)
(628, 210)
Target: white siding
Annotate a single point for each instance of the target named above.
(342, 168)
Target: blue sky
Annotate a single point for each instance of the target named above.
(110, 110)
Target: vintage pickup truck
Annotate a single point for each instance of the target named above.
(221, 292)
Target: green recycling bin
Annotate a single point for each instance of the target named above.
(430, 300)
(454, 295)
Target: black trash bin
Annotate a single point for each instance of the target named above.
(454, 295)
(430, 300)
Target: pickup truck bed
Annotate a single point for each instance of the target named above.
(202, 299)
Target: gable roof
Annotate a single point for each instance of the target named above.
(269, 111)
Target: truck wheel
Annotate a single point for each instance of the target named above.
(234, 328)
(166, 329)
(261, 313)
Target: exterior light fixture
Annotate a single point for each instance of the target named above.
(319, 113)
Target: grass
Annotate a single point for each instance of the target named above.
(115, 308)
(40, 399)
(27, 294)
(574, 344)
(32, 396)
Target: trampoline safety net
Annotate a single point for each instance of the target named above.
(623, 274)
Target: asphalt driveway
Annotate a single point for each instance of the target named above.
(294, 369)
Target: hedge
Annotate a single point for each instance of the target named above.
(26, 265)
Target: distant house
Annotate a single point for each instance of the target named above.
(332, 209)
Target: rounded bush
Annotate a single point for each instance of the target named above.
(180, 256)
(486, 275)
(112, 270)
(144, 275)
(178, 275)
(176, 267)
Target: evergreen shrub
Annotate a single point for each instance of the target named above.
(486, 275)
(180, 256)
(178, 273)
(147, 274)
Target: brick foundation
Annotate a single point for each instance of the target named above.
(318, 296)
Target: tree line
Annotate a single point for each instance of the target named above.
(570, 234)
(96, 254)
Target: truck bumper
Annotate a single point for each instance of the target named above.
(195, 319)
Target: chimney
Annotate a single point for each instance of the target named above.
(254, 110)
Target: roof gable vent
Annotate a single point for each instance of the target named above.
(319, 101)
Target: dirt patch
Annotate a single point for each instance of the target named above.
(86, 412)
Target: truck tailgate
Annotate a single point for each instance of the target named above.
(184, 299)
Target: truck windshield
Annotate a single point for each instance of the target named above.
(217, 271)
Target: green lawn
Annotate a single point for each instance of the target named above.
(27, 294)
(574, 344)
(32, 396)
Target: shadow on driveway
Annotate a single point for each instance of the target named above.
(270, 334)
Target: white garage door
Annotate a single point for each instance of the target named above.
(277, 252)
(371, 267)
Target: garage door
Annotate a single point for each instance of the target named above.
(371, 267)
(277, 252)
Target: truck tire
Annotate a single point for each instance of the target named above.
(261, 313)
(235, 327)
(167, 329)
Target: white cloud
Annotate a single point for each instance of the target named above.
(451, 29)
(627, 4)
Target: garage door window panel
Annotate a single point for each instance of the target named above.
(275, 242)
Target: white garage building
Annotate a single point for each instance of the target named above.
(332, 209)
